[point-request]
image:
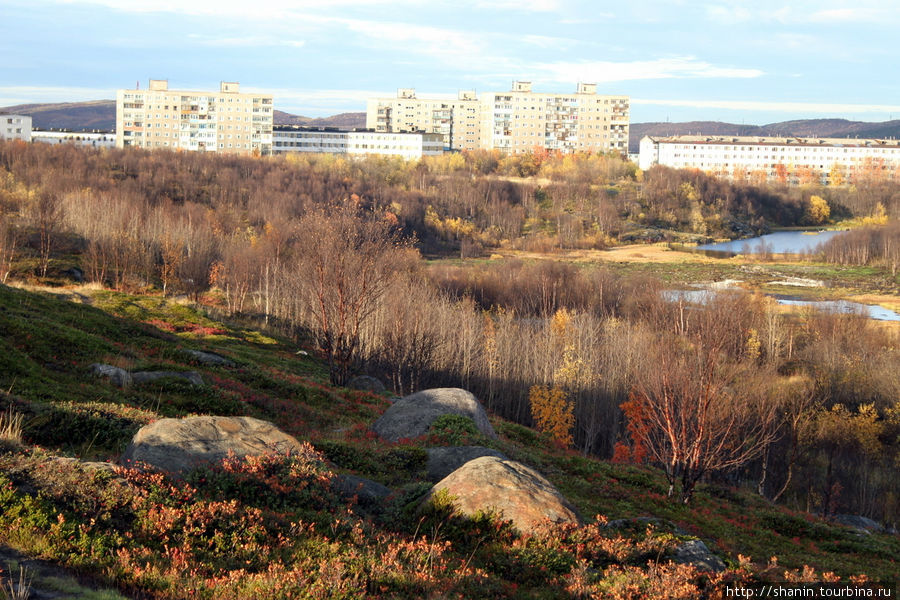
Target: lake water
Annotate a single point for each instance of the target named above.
(873, 311)
(779, 242)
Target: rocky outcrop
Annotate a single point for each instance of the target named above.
(698, 555)
(365, 383)
(209, 358)
(117, 376)
(411, 416)
(443, 461)
(179, 445)
(141, 377)
(367, 493)
(521, 494)
(859, 524)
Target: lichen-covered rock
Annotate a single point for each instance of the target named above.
(859, 523)
(697, 554)
(445, 460)
(179, 445)
(141, 377)
(367, 493)
(411, 416)
(366, 383)
(210, 358)
(117, 376)
(521, 494)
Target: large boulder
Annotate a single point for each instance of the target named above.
(860, 524)
(192, 377)
(445, 460)
(366, 383)
(209, 358)
(519, 493)
(411, 416)
(698, 555)
(366, 492)
(117, 376)
(179, 445)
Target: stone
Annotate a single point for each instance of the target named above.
(210, 358)
(698, 555)
(117, 376)
(860, 524)
(365, 383)
(367, 493)
(179, 445)
(141, 377)
(519, 493)
(411, 416)
(443, 461)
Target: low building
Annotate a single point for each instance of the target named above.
(356, 142)
(94, 139)
(785, 159)
(15, 127)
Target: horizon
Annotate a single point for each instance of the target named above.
(724, 60)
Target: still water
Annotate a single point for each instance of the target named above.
(779, 242)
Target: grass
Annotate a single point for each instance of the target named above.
(272, 527)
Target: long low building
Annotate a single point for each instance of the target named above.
(94, 139)
(356, 142)
(789, 160)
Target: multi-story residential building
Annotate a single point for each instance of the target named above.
(356, 142)
(226, 121)
(458, 121)
(513, 122)
(791, 160)
(521, 120)
(15, 127)
(94, 139)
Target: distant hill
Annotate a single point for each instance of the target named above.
(802, 128)
(350, 120)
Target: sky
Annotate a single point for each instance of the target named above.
(751, 62)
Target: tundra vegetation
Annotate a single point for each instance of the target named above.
(728, 417)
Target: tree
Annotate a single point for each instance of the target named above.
(348, 261)
(818, 211)
(46, 216)
(552, 413)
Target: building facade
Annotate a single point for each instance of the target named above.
(226, 121)
(513, 122)
(80, 138)
(15, 127)
(334, 141)
(789, 160)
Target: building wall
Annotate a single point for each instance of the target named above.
(226, 121)
(404, 145)
(794, 160)
(95, 140)
(15, 127)
(458, 121)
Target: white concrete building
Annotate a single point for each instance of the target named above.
(457, 120)
(357, 142)
(791, 160)
(15, 127)
(226, 121)
(82, 138)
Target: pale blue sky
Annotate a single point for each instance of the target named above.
(740, 61)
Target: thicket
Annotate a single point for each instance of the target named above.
(322, 247)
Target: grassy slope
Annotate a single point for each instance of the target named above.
(48, 341)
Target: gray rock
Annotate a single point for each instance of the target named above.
(698, 555)
(521, 494)
(368, 493)
(179, 445)
(210, 358)
(860, 524)
(412, 415)
(365, 383)
(443, 461)
(118, 377)
(141, 377)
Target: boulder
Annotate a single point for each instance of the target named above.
(210, 358)
(365, 383)
(179, 445)
(192, 377)
(443, 461)
(368, 493)
(411, 416)
(860, 524)
(698, 555)
(519, 493)
(118, 377)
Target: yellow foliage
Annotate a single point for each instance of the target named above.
(553, 413)
(753, 345)
(819, 211)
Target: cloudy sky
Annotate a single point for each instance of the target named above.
(754, 62)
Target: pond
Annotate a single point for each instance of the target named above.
(873, 311)
(779, 242)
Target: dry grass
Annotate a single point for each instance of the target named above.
(10, 428)
(11, 590)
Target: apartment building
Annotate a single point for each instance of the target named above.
(458, 121)
(226, 121)
(358, 142)
(520, 120)
(791, 160)
(513, 122)
(15, 127)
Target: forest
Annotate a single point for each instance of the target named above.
(362, 258)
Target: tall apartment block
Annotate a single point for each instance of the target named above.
(226, 121)
(459, 121)
(513, 122)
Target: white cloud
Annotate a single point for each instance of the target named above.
(685, 67)
(755, 105)
(244, 42)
